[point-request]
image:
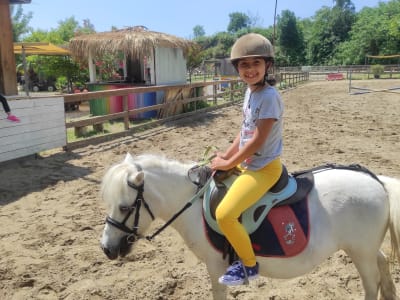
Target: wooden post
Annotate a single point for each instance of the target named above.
(92, 68)
(26, 73)
(8, 72)
(126, 109)
(231, 91)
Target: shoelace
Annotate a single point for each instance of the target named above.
(236, 266)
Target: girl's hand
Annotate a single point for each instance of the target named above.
(219, 163)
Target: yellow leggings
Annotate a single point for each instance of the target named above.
(246, 190)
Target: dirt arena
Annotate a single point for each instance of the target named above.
(51, 215)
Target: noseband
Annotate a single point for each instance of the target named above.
(133, 234)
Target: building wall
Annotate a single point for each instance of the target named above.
(227, 69)
(170, 66)
(42, 127)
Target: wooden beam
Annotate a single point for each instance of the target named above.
(8, 73)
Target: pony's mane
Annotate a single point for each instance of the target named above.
(118, 172)
(160, 161)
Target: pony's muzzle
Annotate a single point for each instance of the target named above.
(109, 253)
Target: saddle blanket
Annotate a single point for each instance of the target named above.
(283, 233)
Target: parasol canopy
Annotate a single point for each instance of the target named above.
(39, 49)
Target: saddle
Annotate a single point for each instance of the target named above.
(288, 190)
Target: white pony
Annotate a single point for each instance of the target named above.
(348, 210)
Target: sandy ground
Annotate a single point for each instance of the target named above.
(52, 217)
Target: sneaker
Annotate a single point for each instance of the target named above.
(238, 274)
(13, 118)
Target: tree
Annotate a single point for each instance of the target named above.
(330, 28)
(87, 28)
(346, 5)
(342, 19)
(19, 21)
(291, 41)
(66, 29)
(376, 32)
(194, 58)
(238, 21)
(56, 66)
(198, 31)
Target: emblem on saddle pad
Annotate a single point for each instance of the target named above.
(286, 201)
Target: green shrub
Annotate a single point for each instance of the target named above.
(377, 70)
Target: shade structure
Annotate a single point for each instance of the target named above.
(134, 41)
(39, 49)
(26, 49)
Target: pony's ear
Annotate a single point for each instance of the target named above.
(136, 178)
(128, 158)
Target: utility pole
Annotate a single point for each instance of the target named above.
(273, 40)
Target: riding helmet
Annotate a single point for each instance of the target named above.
(252, 45)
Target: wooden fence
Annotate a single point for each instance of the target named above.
(45, 125)
(178, 101)
(291, 79)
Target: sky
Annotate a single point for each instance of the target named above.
(176, 17)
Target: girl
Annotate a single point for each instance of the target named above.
(10, 116)
(256, 151)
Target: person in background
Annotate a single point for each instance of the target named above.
(7, 109)
(256, 151)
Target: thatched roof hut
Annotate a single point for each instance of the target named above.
(133, 41)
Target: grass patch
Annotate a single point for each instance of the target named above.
(108, 127)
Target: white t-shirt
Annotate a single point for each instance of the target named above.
(262, 104)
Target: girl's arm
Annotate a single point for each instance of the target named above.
(261, 133)
(233, 148)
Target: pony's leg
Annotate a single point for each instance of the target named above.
(218, 290)
(388, 289)
(215, 270)
(367, 266)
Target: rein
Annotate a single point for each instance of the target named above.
(199, 193)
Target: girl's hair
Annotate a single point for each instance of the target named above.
(270, 81)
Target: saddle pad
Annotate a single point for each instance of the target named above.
(283, 233)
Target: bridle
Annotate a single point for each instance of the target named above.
(133, 234)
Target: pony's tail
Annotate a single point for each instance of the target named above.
(392, 186)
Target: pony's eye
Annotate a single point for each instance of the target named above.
(124, 209)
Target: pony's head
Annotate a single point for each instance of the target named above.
(129, 214)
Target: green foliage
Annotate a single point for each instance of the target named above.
(291, 40)
(61, 83)
(20, 22)
(69, 71)
(375, 32)
(330, 28)
(198, 31)
(377, 70)
(192, 106)
(194, 58)
(238, 21)
(106, 67)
